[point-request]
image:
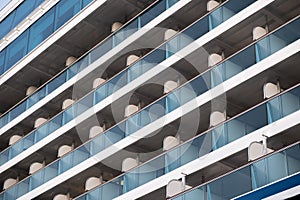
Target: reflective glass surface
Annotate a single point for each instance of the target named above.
(218, 137)
(262, 172)
(17, 15)
(211, 140)
(43, 28)
(39, 31)
(172, 101)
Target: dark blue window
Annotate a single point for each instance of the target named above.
(16, 50)
(41, 29)
(65, 10)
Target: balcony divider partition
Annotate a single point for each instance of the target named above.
(206, 142)
(278, 166)
(194, 88)
(17, 15)
(149, 61)
(38, 31)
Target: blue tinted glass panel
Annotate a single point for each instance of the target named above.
(18, 15)
(86, 2)
(65, 10)
(230, 186)
(151, 14)
(2, 59)
(22, 11)
(41, 29)
(16, 50)
(6, 25)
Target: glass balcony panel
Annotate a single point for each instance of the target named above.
(36, 97)
(55, 123)
(226, 11)
(201, 84)
(143, 174)
(177, 43)
(283, 105)
(7, 24)
(84, 104)
(267, 46)
(155, 57)
(18, 110)
(277, 40)
(74, 69)
(218, 16)
(17, 15)
(44, 175)
(82, 63)
(86, 2)
(16, 50)
(198, 29)
(264, 171)
(41, 132)
(156, 10)
(107, 139)
(21, 146)
(72, 159)
(4, 156)
(132, 124)
(181, 155)
(4, 119)
(54, 84)
(36, 180)
(65, 10)
(10, 194)
(277, 167)
(239, 126)
(138, 68)
(232, 66)
(101, 93)
(237, 129)
(117, 82)
(125, 32)
(155, 111)
(107, 192)
(22, 188)
(198, 193)
(230, 186)
(290, 102)
(2, 61)
(293, 159)
(179, 97)
(101, 50)
(41, 29)
(68, 115)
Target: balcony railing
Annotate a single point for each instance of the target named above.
(16, 16)
(204, 143)
(172, 101)
(39, 31)
(219, 136)
(278, 166)
(84, 62)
